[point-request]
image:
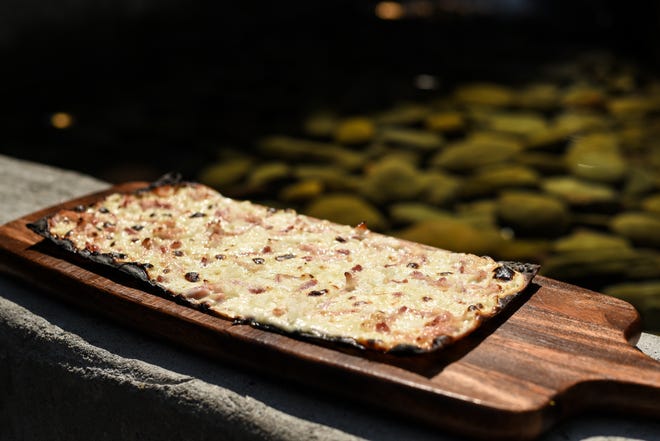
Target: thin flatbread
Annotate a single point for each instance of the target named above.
(287, 272)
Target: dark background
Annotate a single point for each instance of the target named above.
(156, 86)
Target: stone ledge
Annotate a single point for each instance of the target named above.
(67, 375)
(60, 386)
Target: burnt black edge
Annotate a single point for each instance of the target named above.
(40, 226)
(398, 350)
(408, 349)
(134, 269)
(137, 270)
(529, 270)
(170, 178)
(306, 335)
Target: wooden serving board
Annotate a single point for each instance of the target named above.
(557, 351)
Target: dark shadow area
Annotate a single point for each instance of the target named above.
(605, 424)
(161, 88)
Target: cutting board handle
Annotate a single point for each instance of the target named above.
(628, 383)
(587, 339)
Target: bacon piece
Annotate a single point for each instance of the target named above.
(197, 293)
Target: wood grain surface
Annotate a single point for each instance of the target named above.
(557, 351)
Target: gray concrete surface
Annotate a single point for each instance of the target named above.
(69, 375)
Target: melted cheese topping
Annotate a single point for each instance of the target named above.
(296, 273)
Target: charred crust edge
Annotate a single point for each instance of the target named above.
(135, 269)
(301, 334)
(170, 178)
(503, 272)
(503, 301)
(406, 349)
(399, 350)
(40, 226)
(528, 270)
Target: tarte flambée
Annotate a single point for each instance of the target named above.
(288, 272)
